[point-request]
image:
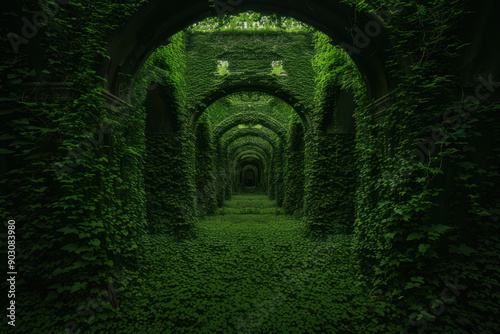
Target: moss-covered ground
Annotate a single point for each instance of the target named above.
(249, 270)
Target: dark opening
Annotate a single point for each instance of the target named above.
(249, 178)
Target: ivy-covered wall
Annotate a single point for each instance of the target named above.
(170, 167)
(278, 163)
(205, 168)
(72, 165)
(426, 221)
(293, 181)
(249, 56)
(330, 167)
(329, 201)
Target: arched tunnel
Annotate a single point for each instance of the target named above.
(249, 175)
(251, 166)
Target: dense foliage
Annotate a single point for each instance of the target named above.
(103, 186)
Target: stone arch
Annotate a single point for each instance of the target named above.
(268, 136)
(257, 174)
(238, 144)
(261, 155)
(252, 118)
(251, 161)
(267, 88)
(250, 146)
(238, 162)
(245, 154)
(156, 21)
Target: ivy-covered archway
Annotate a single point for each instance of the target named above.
(156, 22)
(250, 147)
(253, 118)
(262, 87)
(236, 133)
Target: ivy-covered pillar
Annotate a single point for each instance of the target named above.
(329, 199)
(262, 185)
(236, 180)
(205, 170)
(279, 175)
(169, 182)
(219, 170)
(293, 183)
(230, 179)
(271, 183)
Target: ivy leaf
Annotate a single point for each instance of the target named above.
(6, 136)
(95, 242)
(21, 121)
(57, 271)
(76, 248)
(70, 247)
(479, 305)
(462, 249)
(422, 248)
(414, 235)
(68, 229)
(77, 286)
(419, 279)
(439, 228)
(389, 235)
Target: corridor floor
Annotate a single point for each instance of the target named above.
(250, 270)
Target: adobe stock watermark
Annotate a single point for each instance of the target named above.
(436, 306)
(223, 7)
(373, 28)
(11, 272)
(456, 116)
(40, 19)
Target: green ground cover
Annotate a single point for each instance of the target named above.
(248, 270)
